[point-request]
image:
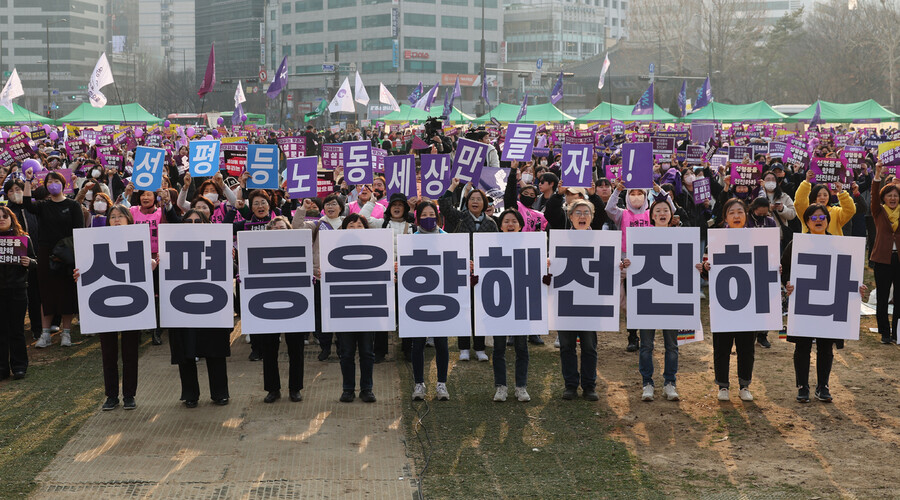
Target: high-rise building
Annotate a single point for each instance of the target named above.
(76, 35)
(167, 33)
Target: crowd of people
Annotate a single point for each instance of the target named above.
(42, 282)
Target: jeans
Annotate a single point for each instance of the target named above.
(269, 345)
(569, 359)
(645, 358)
(521, 346)
(886, 275)
(744, 343)
(348, 344)
(824, 360)
(13, 351)
(441, 359)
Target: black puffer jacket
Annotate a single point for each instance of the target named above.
(15, 276)
(461, 221)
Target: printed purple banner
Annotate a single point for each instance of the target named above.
(469, 160)
(19, 147)
(701, 133)
(435, 175)
(797, 157)
(613, 171)
(777, 149)
(579, 139)
(75, 148)
(663, 145)
(519, 142)
(828, 170)
(740, 154)
(637, 165)
(301, 177)
(12, 248)
(292, 147)
(332, 156)
(400, 175)
(69, 188)
(358, 162)
(745, 175)
(541, 152)
(378, 156)
(694, 154)
(576, 165)
(618, 127)
(702, 190)
(853, 155)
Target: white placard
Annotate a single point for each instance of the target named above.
(663, 288)
(744, 284)
(196, 277)
(433, 285)
(357, 280)
(585, 289)
(276, 273)
(826, 272)
(115, 290)
(510, 297)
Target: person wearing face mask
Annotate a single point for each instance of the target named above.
(13, 190)
(885, 263)
(808, 194)
(57, 217)
(782, 206)
(14, 296)
(214, 191)
(98, 208)
(534, 220)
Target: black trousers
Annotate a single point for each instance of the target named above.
(109, 351)
(13, 353)
(218, 379)
(269, 345)
(886, 276)
(744, 343)
(824, 360)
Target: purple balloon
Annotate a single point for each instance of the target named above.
(167, 124)
(220, 121)
(207, 137)
(243, 118)
(25, 129)
(4, 134)
(32, 164)
(47, 129)
(54, 135)
(215, 133)
(138, 132)
(190, 131)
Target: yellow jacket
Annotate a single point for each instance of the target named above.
(839, 215)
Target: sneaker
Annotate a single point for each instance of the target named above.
(110, 404)
(570, 393)
(367, 396)
(429, 342)
(500, 395)
(823, 394)
(509, 341)
(418, 393)
(745, 395)
(723, 394)
(590, 395)
(65, 339)
(463, 354)
(254, 356)
(522, 395)
(481, 355)
(647, 395)
(803, 394)
(763, 341)
(671, 393)
(347, 397)
(246, 339)
(128, 404)
(54, 329)
(44, 341)
(323, 355)
(156, 337)
(556, 343)
(535, 339)
(442, 393)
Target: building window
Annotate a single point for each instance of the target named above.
(461, 3)
(454, 67)
(285, 50)
(428, 20)
(615, 21)
(488, 4)
(307, 5)
(309, 68)
(489, 24)
(285, 8)
(308, 27)
(344, 23)
(376, 20)
(344, 46)
(377, 43)
(419, 43)
(624, 5)
(489, 47)
(378, 67)
(421, 1)
(271, 15)
(374, 2)
(419, 66)
(285, 29)
(454, 44)
(337, 4)
(454, 22)
(304, 49)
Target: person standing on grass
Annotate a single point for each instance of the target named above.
(884, 260)
(14, 297)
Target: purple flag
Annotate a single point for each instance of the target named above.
(524, 109)
(280, 80)
(418, 143)
(448, 104)
(301, 177)
(576, 165)
(400, 175)
(457, 92)
(484, 89)
(209, 79)
(469, 160)
(237, 116)
(644, 105)
(704, 95)
(557, 93)
(637, 165)
(435, 175)
(682, 98)
(519, 142)
(358, 162)
(416, 94)
(817, 116)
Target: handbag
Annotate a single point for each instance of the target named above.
(62, 257)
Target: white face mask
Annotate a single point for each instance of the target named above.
(770, 185)
(688, 179)
(212, 197)
(527, 178)
(100, 207)
(95, 174)
(89, 196)
(15, 198)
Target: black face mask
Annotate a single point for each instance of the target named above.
(345, 191)
(528, 201)
(378, 193)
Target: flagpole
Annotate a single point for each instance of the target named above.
(121, 106)
(281, 113)
(712, 103)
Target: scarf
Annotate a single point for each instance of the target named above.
(893, 216)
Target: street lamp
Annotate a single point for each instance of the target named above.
(50, 23)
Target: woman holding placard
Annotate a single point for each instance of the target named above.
(884, 261)
(839, 215)
(14, 296)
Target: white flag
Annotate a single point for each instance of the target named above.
(385, 97)
(239, 94)
(362, 96)
(11, 90)
(343, 101)
(424, 103)
(101, 77)
(603, 71)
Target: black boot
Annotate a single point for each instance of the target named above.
(634, 344)
(763, 340)
(156, 337)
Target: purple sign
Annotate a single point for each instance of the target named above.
(663, 145)
(637, 165)
(617, 126)
(469, 160)
(777, 149)
(301, 177)
(577, 161)
(740, 154)
(292, 147)
(613, 171)
(519, 142)
(541, 152)
(332, 156)
(745, 175)
(19, 147)
(701, 133)
(358, 162)
(400, 175)
(378, 156)
(828, 170)
(853, 155)
(13, 247)
(579, 139)
(435, 175)
(694, 154)
(702, 191)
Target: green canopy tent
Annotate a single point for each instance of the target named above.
(503, 112)
(456, 116)
(729, 113)
(407, 113)
(540, 113)
(20, 115)
(109, 115)
(622, 112)
(862, 111)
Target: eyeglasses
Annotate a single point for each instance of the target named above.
(260, 203)
(582, 213)
(4, 215)
(332, 204)
(818, 218)
(192, 221)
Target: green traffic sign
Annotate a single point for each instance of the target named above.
(82, 87)
(7, 74)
